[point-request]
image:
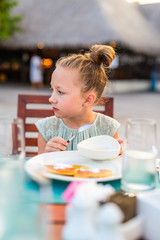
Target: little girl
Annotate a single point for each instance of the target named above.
(77, 84)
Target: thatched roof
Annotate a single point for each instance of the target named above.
(152, 14)
(74, 23)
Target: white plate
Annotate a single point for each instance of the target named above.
(35, 164)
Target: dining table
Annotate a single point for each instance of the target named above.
(54, 203)
(52, 200)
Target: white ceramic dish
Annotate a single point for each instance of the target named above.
(148, 207)
(100, 147)
(37, 163)
(132, 229)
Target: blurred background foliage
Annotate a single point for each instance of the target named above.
(9, 23)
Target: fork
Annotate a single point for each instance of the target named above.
(80, 129)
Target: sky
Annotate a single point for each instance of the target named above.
(145, 1)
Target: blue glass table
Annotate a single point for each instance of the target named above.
(57, 188)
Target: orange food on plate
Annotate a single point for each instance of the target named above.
(78, 171)
(64, 169)
(80, 167)
(93, 173)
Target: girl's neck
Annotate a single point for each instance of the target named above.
(76, 122)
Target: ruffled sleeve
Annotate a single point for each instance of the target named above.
(107, 125)
(47, 127)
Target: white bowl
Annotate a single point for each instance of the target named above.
(101, 147)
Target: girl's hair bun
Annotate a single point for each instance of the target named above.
(102, 55)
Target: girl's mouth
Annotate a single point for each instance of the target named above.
(55, 109)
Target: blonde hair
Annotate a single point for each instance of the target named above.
(91, 67)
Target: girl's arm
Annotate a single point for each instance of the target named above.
(120, 141)
(54, 144)
(116, 135)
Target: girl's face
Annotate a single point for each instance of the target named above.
(66, 99)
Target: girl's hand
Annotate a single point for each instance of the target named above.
(56, 144)
(121, 145)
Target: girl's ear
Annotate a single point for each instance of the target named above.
(90, 98)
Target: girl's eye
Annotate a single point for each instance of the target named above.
(61, 93)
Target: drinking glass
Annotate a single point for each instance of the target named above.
(139, 158)
(12, 154)
(19, 216)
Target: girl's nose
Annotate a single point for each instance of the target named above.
(52, 99)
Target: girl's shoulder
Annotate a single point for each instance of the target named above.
(107, 125)
(48, 121)
(48, 126)
(103, 119)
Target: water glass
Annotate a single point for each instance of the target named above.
(19, 217)
(12, 154)
(139, 158)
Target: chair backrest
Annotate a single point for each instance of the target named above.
(33, 107)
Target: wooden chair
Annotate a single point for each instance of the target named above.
(33, 107)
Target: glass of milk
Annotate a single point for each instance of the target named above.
(139, 158)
